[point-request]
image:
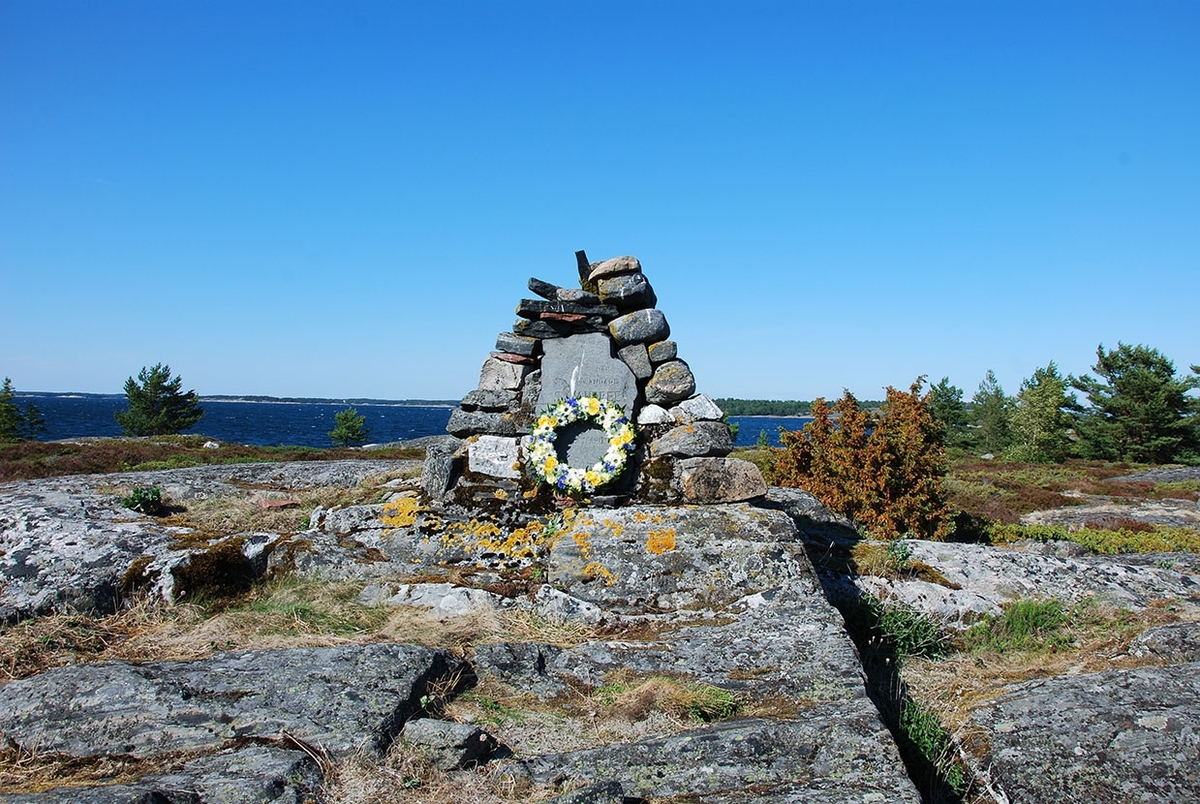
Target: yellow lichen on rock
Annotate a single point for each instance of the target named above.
(400, 513)
(597, 570)
(617, 528)
(660, 541)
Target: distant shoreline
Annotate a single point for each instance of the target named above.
(770, 416)
(271, 400)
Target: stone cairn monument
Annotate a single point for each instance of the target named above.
(586, 399)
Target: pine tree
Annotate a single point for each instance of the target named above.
(12, 423)
(351, 429)
(33, 424)
(990, 413)
(949, 411)
(157, 405)
(1138, 410)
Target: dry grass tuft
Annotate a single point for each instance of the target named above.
(403, 774)
(632, 699)
(1097, 639)
(284, 612)
(25, 771)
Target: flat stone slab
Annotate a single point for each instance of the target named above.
(1122, 735)
(339, 698)
(583, 365)
(986, 577)
(719, 480)
(495, 455)
(743, 755)
(644, 558)
(694, 440)
(252, 775)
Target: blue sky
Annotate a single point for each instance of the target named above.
(347, 199)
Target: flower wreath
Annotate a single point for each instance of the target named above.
(572, 479)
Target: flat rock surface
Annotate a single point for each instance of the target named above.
(734, 602)
(1168, 512)
(251, 775)
(987, 577)
(1124, 735)
(645, 559)
(735, 757)
(1174, 474)
(66, 542)
(338, 698)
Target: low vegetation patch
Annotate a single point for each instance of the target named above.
(1025, 625)
(284, 612)
(925, 736)
(146, 500)
(1031, 639)
(28, 460)
(896, 629)
(893, 560)
(634, 699)
(1139, 539)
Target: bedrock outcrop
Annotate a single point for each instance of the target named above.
(723, 595)
(68, 544)
(1120, 735)
(719, 595)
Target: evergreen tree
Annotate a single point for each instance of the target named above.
(12, 423)
(1040, 421)
(949, 411)
(990, 413)
(34, 423)
(157, 405)
(351, 429)
(1138, 410)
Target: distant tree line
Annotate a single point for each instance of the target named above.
(884, 468)
(1136, 408)
(763, 407)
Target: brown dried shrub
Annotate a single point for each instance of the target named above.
(885, 473)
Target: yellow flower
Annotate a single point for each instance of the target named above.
(592, 477)
(550, 465)
(548, 421)
(593, 406)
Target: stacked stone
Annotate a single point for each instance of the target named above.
(606, 338)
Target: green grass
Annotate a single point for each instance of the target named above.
(1025, 625)
(897, 629)
(296, 607)
(931, 741)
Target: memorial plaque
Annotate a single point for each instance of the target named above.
(579, 366)
(583, 365)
